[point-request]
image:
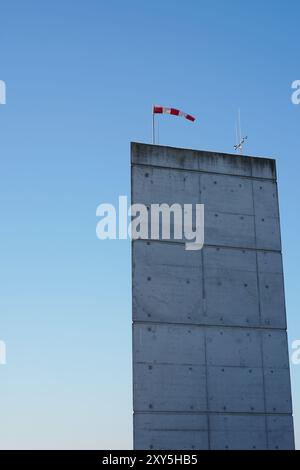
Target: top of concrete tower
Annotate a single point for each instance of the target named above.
(203, 160)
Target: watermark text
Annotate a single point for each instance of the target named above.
(2, 92)
(296, 93)
(2, 353)
(182, 222)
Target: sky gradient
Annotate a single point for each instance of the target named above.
(81, 78)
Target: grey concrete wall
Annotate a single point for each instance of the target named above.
(210, 354)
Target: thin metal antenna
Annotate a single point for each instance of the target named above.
(240, 140)
(239, 125)
(237, 141)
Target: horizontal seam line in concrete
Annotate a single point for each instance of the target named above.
(258, 178)
(178, 242)
(204, 429)
(215, 325)
(216, 212)
(220, 269)
(203, 364)
(238, 413)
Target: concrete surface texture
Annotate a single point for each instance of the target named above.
(210, 353)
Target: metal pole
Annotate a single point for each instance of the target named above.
(153, 126)
(240, 133)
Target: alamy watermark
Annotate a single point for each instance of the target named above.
(296, 93)
(2, 92)
(295, 358)
(2, 353)
(184, 222)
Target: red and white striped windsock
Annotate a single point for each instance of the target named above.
(173, 111)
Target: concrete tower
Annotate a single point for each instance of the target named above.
(210, 353)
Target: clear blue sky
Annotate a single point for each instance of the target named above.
(81, 77)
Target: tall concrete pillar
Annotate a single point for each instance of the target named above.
(210, 353)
